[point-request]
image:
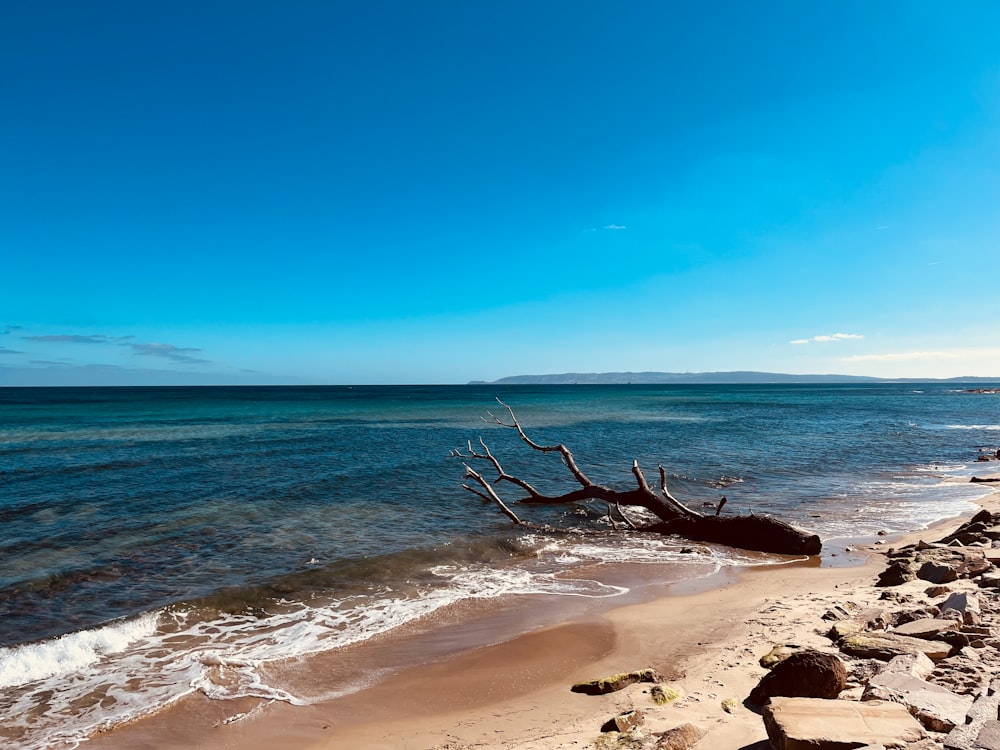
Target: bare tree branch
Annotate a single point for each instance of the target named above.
(752, 532)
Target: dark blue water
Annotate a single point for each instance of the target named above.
(116, 502)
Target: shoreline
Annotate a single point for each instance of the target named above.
(705, 636)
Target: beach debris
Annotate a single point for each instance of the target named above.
(807, 674)
(750, 532)
(680, 738)
(824, 724)
(778, 654)
(934, 706)
(623, 722)
(616, 682)
(662, 696)
(729, 705)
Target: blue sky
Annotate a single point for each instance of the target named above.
(435, 192)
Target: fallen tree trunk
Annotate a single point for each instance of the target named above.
(751, 532)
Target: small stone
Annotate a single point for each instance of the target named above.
(683, 737)
(616, 682)
(623, 722)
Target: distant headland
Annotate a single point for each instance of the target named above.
(709, 378)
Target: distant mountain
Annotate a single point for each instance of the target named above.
(716, 378)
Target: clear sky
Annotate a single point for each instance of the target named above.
(435, 192)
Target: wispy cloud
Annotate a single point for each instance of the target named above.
(4, 350)
(615, 226)
(900, 356)
(828, 338)
(169, 351)
(70, 339)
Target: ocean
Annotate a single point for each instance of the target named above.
(162, 541)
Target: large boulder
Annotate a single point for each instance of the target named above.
(805, 674)
(818, 724)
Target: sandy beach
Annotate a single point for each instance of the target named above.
(704, 638)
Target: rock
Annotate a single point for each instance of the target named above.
(623, 722)
(616, 682)
(927, 628)
(937, 573)
(964, 602)
(962, 562)
(680, 738)
(885, 646)
(778, 654)
(806, 674)
(989, 736)
(935, 591)
(983, 711)
(983, 517)
(936, 707)
(818, 724)
(844, 628)
(662, 696)
(917, 665)
(989, 581)
(896, 574)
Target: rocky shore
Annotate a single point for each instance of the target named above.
(911, 660)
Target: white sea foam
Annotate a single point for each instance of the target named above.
(64, 689)
(71, 652)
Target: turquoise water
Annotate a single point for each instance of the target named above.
(177, 532)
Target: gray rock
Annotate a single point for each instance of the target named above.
(985, 709)
(989, 736)
(936, 707)
(917, 665)
(964, 602)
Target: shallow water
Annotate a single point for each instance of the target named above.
(162, 540)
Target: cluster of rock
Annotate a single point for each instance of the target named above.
(922, 670)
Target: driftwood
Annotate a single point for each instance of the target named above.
(750, 532)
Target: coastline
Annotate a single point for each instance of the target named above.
(704, 636)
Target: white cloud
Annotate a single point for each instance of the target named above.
(825, 338)
(615, 226)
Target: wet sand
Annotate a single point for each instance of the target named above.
(705, 637)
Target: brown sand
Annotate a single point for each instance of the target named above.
(516, 694)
